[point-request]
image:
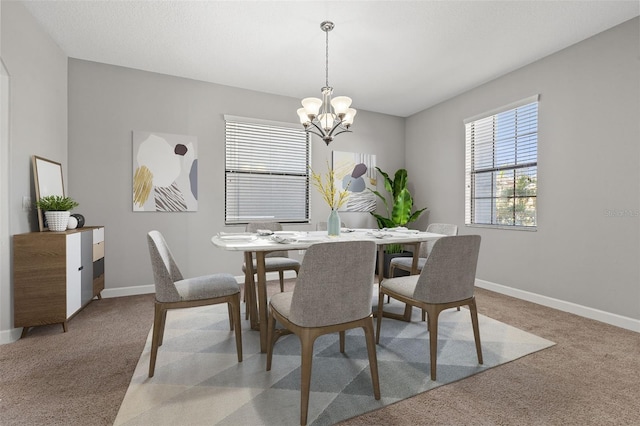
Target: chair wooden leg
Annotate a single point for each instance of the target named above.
(424, 314)
(247, 299)
(476, 329)
(306, 340)
(392, 270)
(158, 331)
(373, 361)
(230, 309)
(342, 341)
(234, 307)
(281, 274)
(432, 324)
(271, 338)
(379, 315)
(164, 320)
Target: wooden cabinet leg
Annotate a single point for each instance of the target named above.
(25, 330)
(64, 327)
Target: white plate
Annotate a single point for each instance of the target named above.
(405, 231)
(379, 235)
(311, 239)
(282, 239)
(237, 237)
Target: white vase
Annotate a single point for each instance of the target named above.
(57, 221)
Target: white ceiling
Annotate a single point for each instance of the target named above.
(394, 57)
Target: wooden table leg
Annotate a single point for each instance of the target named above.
(380, 263)
(262, 300)
(250, 291)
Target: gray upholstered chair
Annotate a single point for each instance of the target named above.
(332, 294)
(276, 260)
(446, 281)
(175, 292)
(405, 263)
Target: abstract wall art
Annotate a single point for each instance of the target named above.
(356, 172)
(165, 172)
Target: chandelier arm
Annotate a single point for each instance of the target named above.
(336, 126)
(342, 131)
(320, 129)
(322, 134)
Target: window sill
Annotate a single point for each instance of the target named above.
(510, 228)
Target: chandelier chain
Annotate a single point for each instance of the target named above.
(327, 60)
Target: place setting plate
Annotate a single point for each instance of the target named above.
(224, 236)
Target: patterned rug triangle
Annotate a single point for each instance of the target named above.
(199, 381)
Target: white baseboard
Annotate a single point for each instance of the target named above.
(10, 336)
(149, 288)
(561, 305)
(128, 291)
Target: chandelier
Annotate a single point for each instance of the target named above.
(327, 117)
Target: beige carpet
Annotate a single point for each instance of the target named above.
(590, 377)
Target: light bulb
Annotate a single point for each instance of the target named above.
(341, 104)
(349, 116)
(304, 118)
(312, 106)
(326, 121)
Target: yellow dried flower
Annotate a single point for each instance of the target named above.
(326, 186)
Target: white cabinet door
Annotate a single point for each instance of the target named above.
(74, 277)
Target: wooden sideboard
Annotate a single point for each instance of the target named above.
(55, 274)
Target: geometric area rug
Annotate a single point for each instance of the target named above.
(198, 380)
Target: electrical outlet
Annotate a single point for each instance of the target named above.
(26, 203)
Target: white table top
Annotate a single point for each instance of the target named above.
(299, 240)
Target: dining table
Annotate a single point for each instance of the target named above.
(263, 242)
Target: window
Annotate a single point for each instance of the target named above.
(502, 166)
(266, 172)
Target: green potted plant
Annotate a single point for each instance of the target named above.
(57, 210)
(400, 213)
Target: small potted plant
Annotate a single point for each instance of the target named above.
(57, 210)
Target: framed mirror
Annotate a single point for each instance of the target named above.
(47, 177)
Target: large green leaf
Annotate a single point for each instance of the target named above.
(399, 182)
(416, 215)
(402, 206)
(383, 222)
(388, 183)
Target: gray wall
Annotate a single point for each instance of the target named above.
(37, 70)
(588, 157)
(106, 103)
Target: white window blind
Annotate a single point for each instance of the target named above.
(266, 172)
(502, 166)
